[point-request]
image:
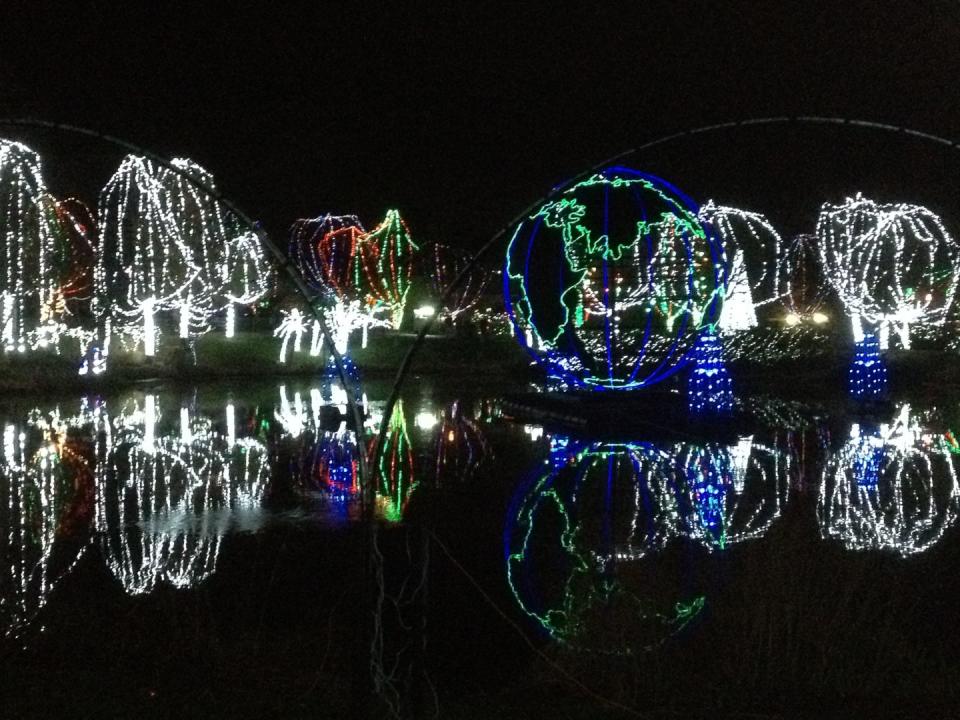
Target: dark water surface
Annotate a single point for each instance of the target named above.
(202, 552)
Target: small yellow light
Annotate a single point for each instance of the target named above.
(792, 319)
(819, 318)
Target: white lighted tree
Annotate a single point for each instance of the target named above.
(893, 266)
(247, 275)
(889, 488)
(144, 264)
(753, 248)
(168, 244)
(27, 234)
(233, 264)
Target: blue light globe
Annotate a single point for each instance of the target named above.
(609, 282)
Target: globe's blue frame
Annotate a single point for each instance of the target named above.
(550, 358)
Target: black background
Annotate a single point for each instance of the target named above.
(461, 116)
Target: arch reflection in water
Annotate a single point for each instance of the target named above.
(594, 539)
(891, 487)
(167, 493)
(329, 448)
(46, 493)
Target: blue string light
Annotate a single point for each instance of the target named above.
(335, 465)
(709, 390)
(608, 283)
(868, 372)
(331, 377)
(708, 475)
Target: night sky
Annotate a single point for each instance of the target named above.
(460, 117)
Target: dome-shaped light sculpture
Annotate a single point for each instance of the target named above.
(753, 247)
(443, 264)
(893, 266)
(889, 488)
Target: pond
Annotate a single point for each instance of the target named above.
(182, 551)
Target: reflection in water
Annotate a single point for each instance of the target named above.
(45, 498)
(572, 532)
(581, 531)
(332, 388)
(734, 493)
(867, 376)
(893, 487)
(166, 499)
(157, 484)
(334, 464)
(460, 446)
(394, 466)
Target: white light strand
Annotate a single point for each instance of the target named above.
(893, 266)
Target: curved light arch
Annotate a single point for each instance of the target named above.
(663, 140)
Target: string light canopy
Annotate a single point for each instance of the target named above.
(894, 266)
(443, 264)
(167, 245)
(753, 247)
(28, 232)
(388, 254)
(802, 288)
(233, 262)
(247, 276)
(75, 258)
(144, 264)
(890, 487)
(328, 250)
(609, 283)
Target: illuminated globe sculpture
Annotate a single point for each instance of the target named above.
(609, 282)
(583, 540)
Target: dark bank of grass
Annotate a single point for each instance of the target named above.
(920, 374)
(255, 355)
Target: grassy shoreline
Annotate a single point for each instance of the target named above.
(255, 355)
(917, 375)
